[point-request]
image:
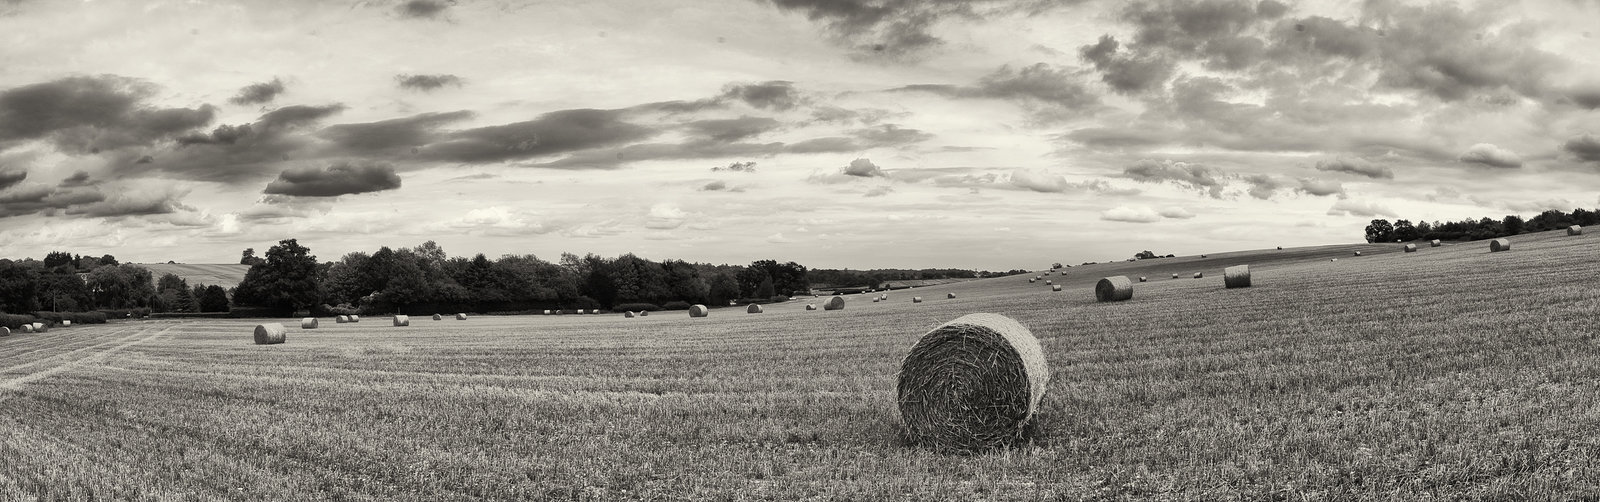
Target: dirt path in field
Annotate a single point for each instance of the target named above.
(90, 355)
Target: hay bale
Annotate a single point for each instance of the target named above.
(1237, 276)
(1434, 243)
(355, 318)
(1280, 248)
(733, 303)
(1047, 283)
(1358, 253)
(461, 316)
(643, 313)
(308, 323)
(1031, 281)
(1055, 287)
(699, 311)
(916, 299)
(835, 303)
(1198, 275)
(402, 320)
(1411, 248)
(1575, 230)
(548, 312)
(438, 317)
(1202, 256)
(341, 319)
(972, 384)
(627, 314)
(1335, 259)
(811, 306)
(66, 322)
(1174, 276)
(876, 300)
(753, 309)
(949, 295)
(270, 333)
(5, 331)
(1499, 245)
(1113, 289)
(27, 328)
(40, 327)
(1143, 278)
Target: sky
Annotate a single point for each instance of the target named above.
(992, 135)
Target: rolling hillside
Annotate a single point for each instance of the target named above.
(226, 275)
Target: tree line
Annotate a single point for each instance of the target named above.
(1380, 230)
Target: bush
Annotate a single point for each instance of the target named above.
(326, 310)
(15, 321)
(675, 305)
(125, 313)
(635, 307)
(55, 318)
(779, 299)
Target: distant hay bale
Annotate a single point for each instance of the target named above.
(883, 297)
(549, 312)
(1280, 248)
(1198, 275)
(627, 313)
(1031, 281)
(1063, 273)
(27, 328)
(66, 322)
(811, 306)
(949, 295)
(461, 316)
(876, 300)
(270, 333)
(355, 318)
(1202, 256)
(753, 309)
(5, 331)
(834, 303)
(1174, 276)
(308, 323)
(1335, 259)
(1358, 253)
(438, 317)
(643, 313)
(972, 384)
(699, 311)
(916, 299)
(1434, 243)
(1575, 230)
(1499, 245)
(1048, 282)
(1113, 289)
(1143, 278)
(402, 320)
(40, 327)
(1411, 248)
(733, 303)
(1055, 287)
(1237, 276)
(341, 319)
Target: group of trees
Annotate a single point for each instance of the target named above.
(424, 280)
(173, 294)
(70, 283)
(872, 278)
(1381, 230)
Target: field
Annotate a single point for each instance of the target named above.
(226, 275)
(1449, 373)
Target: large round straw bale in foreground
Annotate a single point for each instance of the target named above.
(438, 317)
(461, 316)
(341, 319)
(1056, 287)
(835, 303)
(699, 311)
(1575, 230)
(308, 323)
(270, 333)
(1498, 245)
(1433, 243)
(1411, 248)
(402, 320)
(753, 309)
(1237, 276)
(1113, 289)
(972, 384)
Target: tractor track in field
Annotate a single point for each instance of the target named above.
(75, 358)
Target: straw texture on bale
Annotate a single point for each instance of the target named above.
(4, 331)
(438, 317)
(1575, 230)
(972, 384)
(355, 318)
(270, 333)
(402, 320)
(810, 306)
(341, 319)
(27, 328)
(1198, 275)
(835, 303)
(1498, 245)
(949, 295)
(1113, 289)
(1237, 276)
(699, 311)
(1056, 287)
(916, 299)
(461, 316)
(1411, 248)
(1433, 243)
(308, 323)
(753, 309)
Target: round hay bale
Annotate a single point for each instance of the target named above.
(1335, 259)
(270, 333)
(1198, 275)
(40, 327)
(548, 312)
(972, 384)
(1434, 243)
(1280, 248)
(835, 303)
(1048, 283)
(643, 313)
(753, 309)
(355, 318)
(5, 331)
(308, 323)
(402, 320)
(1358, 253)
(627, 314)
(733, 303)
(1031, 281)
(1174, 276)
(1113, 289)
(1143, 278)
(876, 300)
(699, 311)
(916, 299)
(66, 322)
(461, 316)
(811, 306)
(1575, 230)
(949, 295)
(1411, 248)
(1237, 276)
(1499, 245)
(27, 328)
(1055, 287)
(438, 317)
(341, 319)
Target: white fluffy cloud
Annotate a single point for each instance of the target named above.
(1128, 214)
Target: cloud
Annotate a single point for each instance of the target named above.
(1537, 206)
(1126, 72)
(878, 191)
(714, 186)
(1357, 166)
(1492, 156)
(551, 133)
(1140, 214)
(255, 94)
(778, 238)
(1320, 188)
(1049, 92)
(893, 28)
(730, 130)
(776, 95)
(1585, 147)
(1357, 208)
(1263, 186)
(91, 114)
(1193, 176)
(142, 202)
(863, 168)
(426, 9)
(665, 217)
(1176, 213)
(335, 180)
(10, 178)
(25, 200)
(77, 179)
(394, 136)
(426, 82)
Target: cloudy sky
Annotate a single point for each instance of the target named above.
(836, 133)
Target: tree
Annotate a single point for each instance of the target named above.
(1404, 231)
(120, 286)
(1512, 224)
(1380, 231)
(287, 280)
(723, 289)
(57, 259)
(19, 286)
(1145, 255)
(248, 257)
(765, 289)
(214, 299)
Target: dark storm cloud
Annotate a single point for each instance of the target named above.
(551, 133)
(730, 130)
(1193, 176)
(255, 94)
(898, 28)
(390, 136)
(90, 114)
(426, 82)
(77, 179)
(130, 204)
(1126, 72)
(423, 8)
(335, 180)
(1585, 147)
(1051, 91)
(773, 95)
(297, 115)
(36, 199)
(234, 153)
(1586, 97)
(10, 178)
(1357, 166)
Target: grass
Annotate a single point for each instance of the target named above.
(1448, 373)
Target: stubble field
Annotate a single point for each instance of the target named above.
(1448, 373)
